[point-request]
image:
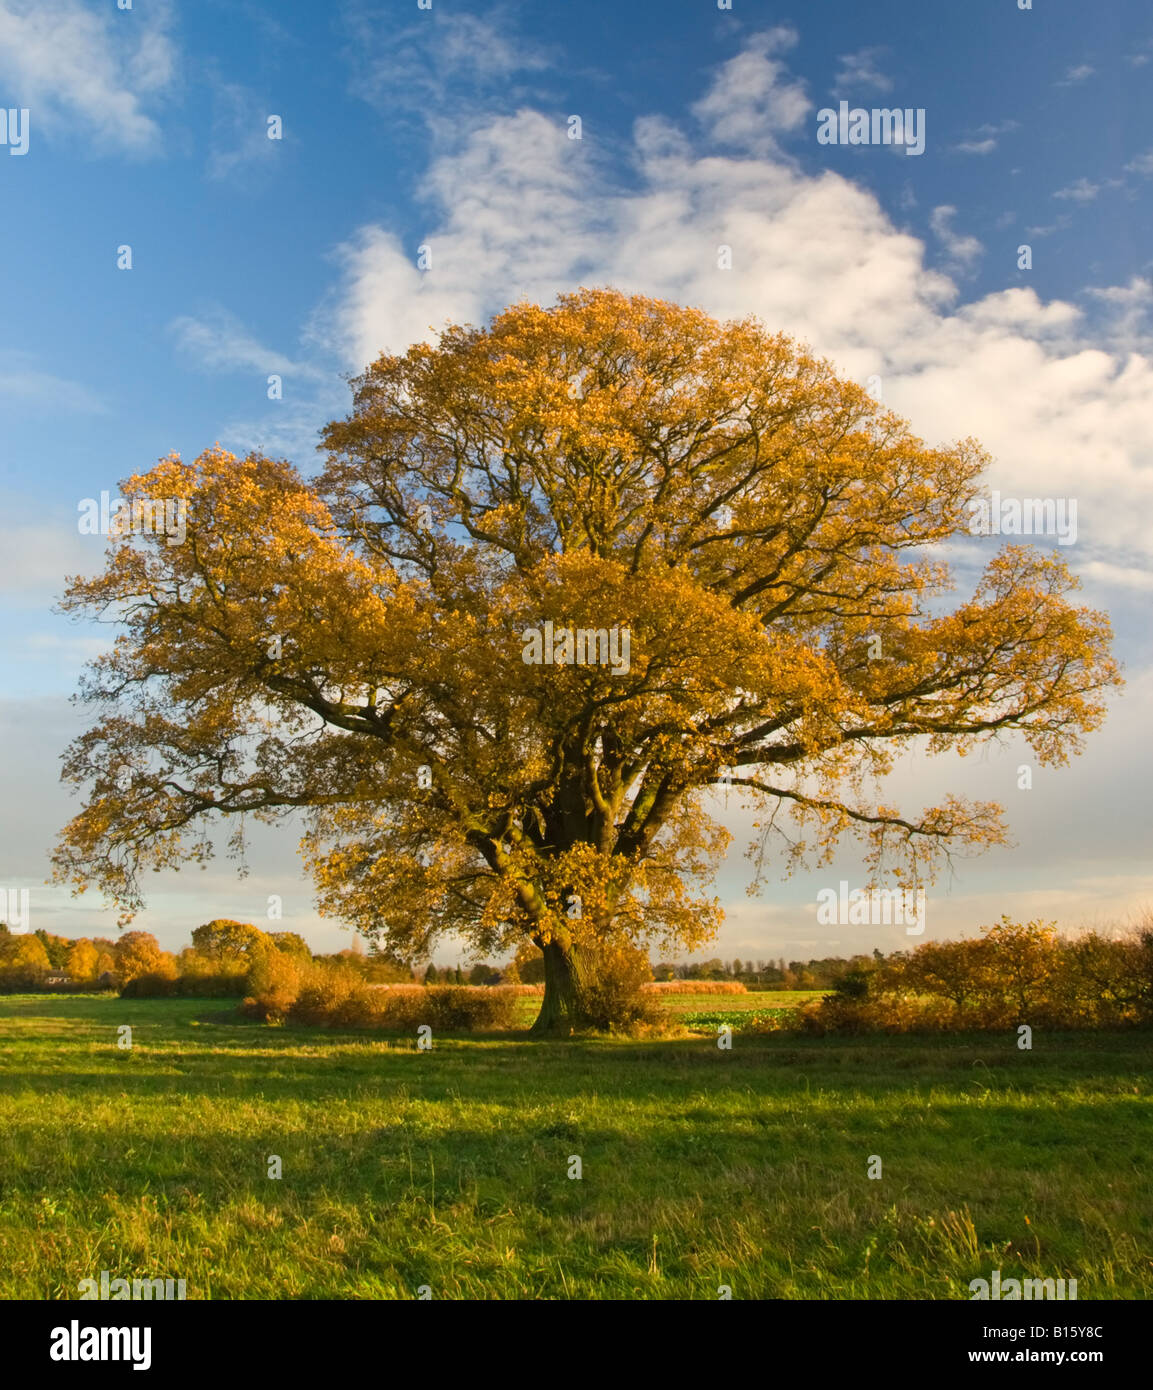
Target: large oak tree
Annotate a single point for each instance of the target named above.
(353, 646)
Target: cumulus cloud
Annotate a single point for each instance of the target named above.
(82, 70)
(753, 98)
(519, 210)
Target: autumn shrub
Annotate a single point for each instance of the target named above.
(152, 984)
(227, 982)
(363, 1008)
(273, 984)
(885, 1013)
(333, 1000)
(613, 995)
(454, 1008)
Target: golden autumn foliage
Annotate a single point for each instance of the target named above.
(354, 647)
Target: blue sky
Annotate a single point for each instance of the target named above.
(448, 128)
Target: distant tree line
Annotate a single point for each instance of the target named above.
(824, 973)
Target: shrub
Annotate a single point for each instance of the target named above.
(614, 997)
(274, 982)
(450, 1009)
(336, 999)
(854, 984)
(152, 984)
(227, 982)
(324, 987)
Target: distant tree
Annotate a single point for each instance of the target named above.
(82, 960)
(57, 948)
(138, 953)
(224, 939)
(430, 975)
(290, 943)
(23, 962)
(482, 974)
(382, 967)
(954, 969)
(458, 976)
(738, 967)
(529, 962)
(1021, 958)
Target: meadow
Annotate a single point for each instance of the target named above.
(700, 1167)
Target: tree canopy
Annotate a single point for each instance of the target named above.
(371, 647)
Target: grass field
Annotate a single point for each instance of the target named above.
(727, 1008)
(448, 1168)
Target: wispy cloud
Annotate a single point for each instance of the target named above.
(985, 139)
(440, 64)
(961, 250)
(86, 72)
(217, 341)
(1076, 75)
(1080, 191)
(241, 147)
(859, 71)
(986, 146)
(24, 386)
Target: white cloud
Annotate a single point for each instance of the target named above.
(985, 137)
(1143, 164)
(85, 71)
(240, 144)
(753, 99)
(1081, 73)
(40, 550)
(521, 210)
(859, 70)
(960, 250)
(439, 64)
(1080, 191)
(985, 146)
(218, 342)
(24, 387)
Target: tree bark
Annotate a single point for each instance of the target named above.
(565, 977)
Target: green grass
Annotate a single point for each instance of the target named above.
(684, 1007)
(701, 1167)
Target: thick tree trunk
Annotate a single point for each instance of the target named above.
(561, 1010)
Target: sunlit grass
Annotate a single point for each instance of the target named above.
(701, 1166)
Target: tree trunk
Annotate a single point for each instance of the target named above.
(565, 974)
